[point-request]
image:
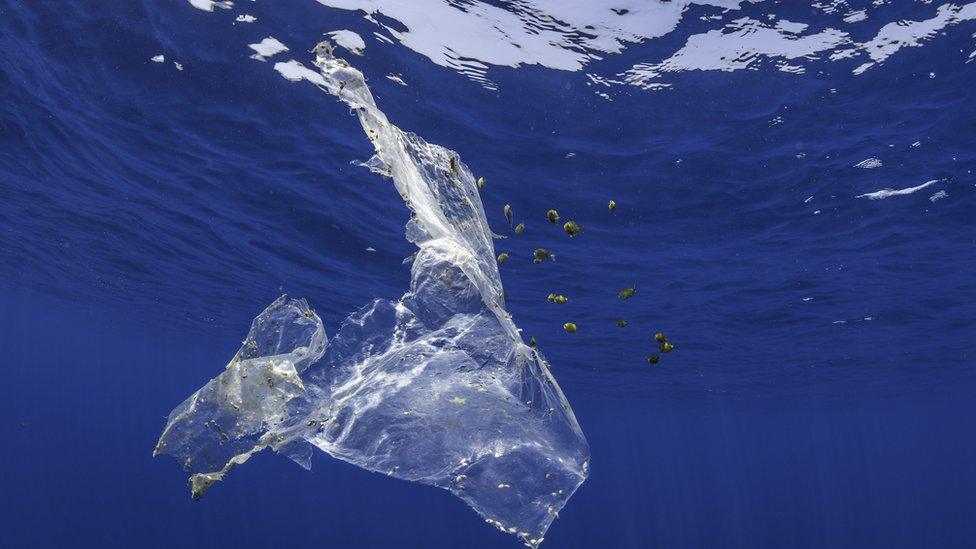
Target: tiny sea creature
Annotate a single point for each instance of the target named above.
(627, 293)
(653, 359)
(542, 254)
(508, 213)
(560, 299)
(532, 342)
(622, 323)
(612, 205)
(481, 182)
(572, 228)
(660, 337)
(667, 347)
(552, 216)
(454, 165)
(520, 228)
(502, 257)
(570, 327)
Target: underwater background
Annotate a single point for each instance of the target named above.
(794, 196)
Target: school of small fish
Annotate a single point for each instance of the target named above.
(540, 255)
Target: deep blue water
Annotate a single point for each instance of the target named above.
(822, 388)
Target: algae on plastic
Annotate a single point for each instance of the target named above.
(436, 387)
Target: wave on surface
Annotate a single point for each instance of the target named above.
(572, 35)
(436, 387)
(885, 193)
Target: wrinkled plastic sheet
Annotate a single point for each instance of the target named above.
(436, 387)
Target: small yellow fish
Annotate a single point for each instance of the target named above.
(560, 299)
(660, 337)
(532, 342)
(653, 359)
(667, 347)
(508, 213)
(622, 323)
(520, 228)
(570, 327)
(612, 205)
(481, 182)
(551, 297)
(627, 293)
(502, 257)
(552, 216)
(572, 228)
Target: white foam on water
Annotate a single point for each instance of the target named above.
(889, 192)
(869, 163)
(564, 35)
(209, 5)
(741, 44)
(396, 78)
(269, 47)
(903, 34)
(856, 16)
(352, 42)
(570, 35)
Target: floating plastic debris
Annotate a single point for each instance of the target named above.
(380, 393)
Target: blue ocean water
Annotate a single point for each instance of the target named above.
(821, 389)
